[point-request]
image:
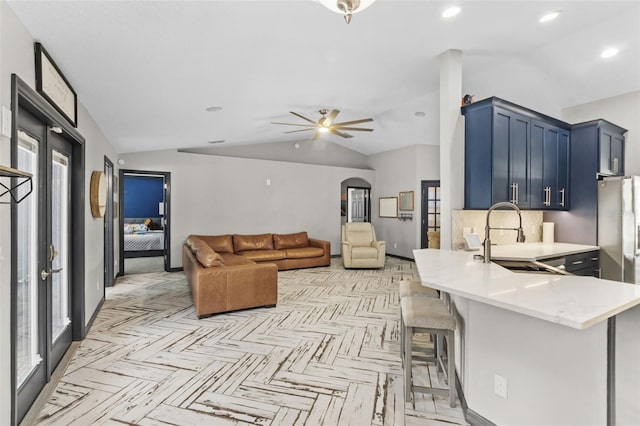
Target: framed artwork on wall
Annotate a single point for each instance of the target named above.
(405, 200)
(54, 87)
(388, 206)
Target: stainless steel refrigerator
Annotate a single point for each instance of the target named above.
(619, 228)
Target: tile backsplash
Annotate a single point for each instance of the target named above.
(476, 220)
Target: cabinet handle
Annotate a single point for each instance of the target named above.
(594, 259)
(615, 165)
(513, 193)
(547, 196)
(562, 197)
(517, 194)
(577, 262)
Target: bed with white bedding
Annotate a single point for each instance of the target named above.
(142, 241)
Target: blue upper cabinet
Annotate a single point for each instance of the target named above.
(611, 146)
(515, 154)
(549, 166)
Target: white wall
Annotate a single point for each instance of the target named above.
(17, 56)
(215, 195)
(623, 110)
(397, 171)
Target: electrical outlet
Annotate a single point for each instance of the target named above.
(500, 386)
(395, 245)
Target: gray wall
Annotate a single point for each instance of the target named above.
(17, 56)
(398, 171)
(219, 195)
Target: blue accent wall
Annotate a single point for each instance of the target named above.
(142, 194)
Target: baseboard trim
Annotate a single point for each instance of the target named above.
(93, 317)
(410, 259)
(38, 405)
(470, 416)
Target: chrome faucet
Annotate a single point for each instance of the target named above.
(487, 228)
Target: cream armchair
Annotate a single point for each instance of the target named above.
(360, 248)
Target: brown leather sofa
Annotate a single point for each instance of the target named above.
(232, 272)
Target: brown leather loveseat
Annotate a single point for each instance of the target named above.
(232, 272)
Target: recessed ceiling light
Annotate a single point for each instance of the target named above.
(218, 141)
(419, 114)
(607, 53)
(451, 12)
(214, 109)
(550, 16)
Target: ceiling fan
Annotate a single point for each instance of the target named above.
(326, 125)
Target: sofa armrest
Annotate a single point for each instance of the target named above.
(325, 245)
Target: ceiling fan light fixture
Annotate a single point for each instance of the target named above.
(323, 129)
(347, 7)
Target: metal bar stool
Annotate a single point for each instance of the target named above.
(427, 315)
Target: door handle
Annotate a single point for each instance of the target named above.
(45, 274)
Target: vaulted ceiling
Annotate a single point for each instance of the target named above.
(148, 70)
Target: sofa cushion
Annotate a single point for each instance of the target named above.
(231, 259)
(364, 252)
(206, 255)
(252, 242)
(303, 252)
(263, 255)
(288, 241)
(220, 243)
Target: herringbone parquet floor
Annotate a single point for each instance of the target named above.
(328, 354)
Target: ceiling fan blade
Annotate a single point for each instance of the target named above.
(293, 124)
(316, 136)
(336, 132)
(301, 130)
(332, 116)
(303, 117)
(346, 123)
(360, 129)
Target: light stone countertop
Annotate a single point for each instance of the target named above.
(573, 301)
(537, 251)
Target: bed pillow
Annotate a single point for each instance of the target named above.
(128, 228)
(140, 227)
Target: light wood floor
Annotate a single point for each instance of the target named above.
(328, 354)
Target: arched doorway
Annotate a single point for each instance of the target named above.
(355, 200)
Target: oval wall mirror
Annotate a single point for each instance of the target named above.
(98, 194)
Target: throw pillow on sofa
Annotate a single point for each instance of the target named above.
(207, 256)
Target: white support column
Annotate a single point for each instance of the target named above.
(451, 142)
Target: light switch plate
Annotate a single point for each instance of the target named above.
(6, 122)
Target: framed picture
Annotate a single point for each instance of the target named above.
(388, 206)
(54, 87)
(406, 200)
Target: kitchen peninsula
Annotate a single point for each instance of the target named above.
(549, 336)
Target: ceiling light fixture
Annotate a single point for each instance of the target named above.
(550, 16)
(347, 7)
(214, 109)
(451, 12)
(419, 114)
(608, 53)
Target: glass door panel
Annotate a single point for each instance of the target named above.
(59, 248)
(28, 356)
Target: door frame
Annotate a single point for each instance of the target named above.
(167, 216)
(424, 226)
(108, 228)
(23, 96)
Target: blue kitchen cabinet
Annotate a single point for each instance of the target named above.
(512, 154)
(594, 147)
(611, 146)
(549, 167)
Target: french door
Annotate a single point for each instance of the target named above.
(43, 259)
